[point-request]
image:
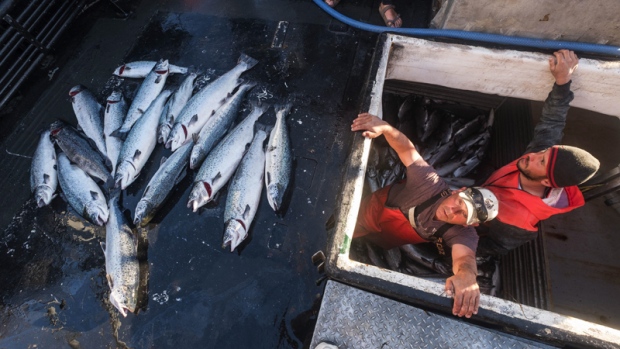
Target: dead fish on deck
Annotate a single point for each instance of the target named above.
(223, 160)
(216, 126)
(121, 262)
(467, 167)
(459, 182)
(442, 154)
(171, 171)
(205, 102)
(426, 258)
(81, 192)
(43, 171)
(279, 159)
(88, 113)
(450, 166)
(79, 151)
(140, 69)
(139, 144)
(372, 180)
(393, 258)
(244, 193)
(150, 88)
(115, 111)
(173, 107)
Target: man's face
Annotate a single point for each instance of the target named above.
(534, 165)
(452, 210)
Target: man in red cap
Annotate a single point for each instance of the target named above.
(544, 181)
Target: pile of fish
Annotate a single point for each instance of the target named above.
(452, 144)
(112, 144)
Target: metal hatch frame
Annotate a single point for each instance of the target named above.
(529, 322)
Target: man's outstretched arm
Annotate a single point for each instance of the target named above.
(374, 127)
(463, 286)
(550, 129)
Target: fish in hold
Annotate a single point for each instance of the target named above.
(150, 88)
(81, 192)
(140, 69)
(89, 115)
(279, 158)
(244, 193)
(139, 143)
(222, 161)
(43, 171)
(205, 102)
(121, 259)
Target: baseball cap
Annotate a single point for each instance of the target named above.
(482, 205)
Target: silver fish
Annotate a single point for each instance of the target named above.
(393, 258)
(459, 182)
(442, 154)
(279, 159)
(170, 172)
(88, 113)
(467, 167)
(140, 143)
(431, 123)
(43, 171)
(475, 125)
(222, 161)
(115, 111)
(426, 258)
(140, 69)
(81, 192)
(244, 193)
(473, 140)
(150, 88)
(79, 151)
(121, 262)
(174, 106)
(205, 102)
(450, 166)
(406, 108)
(216, 126)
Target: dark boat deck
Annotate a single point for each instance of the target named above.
(265, 294)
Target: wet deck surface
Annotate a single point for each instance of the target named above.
(195, 294)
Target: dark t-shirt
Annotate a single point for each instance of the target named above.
(421, 184)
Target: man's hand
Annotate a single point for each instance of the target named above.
(463, 286)
(372, 126)
(562, 65)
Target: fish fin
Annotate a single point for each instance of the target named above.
(268, 177)
(55, 167)
(217, 176)
(158, 79)
(94, 195)
(79, 128)
(148, 187)
(163, 160)
(119, 134)
(136, 155)
(193, 120)
(195, 137)
(262, 127)
(46, 178)
(140, 111)
(102, 244)
(247, 60)
(283, 109)
(246, 212)
(110, 280)
(181, 175)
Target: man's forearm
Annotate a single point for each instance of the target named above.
(550, 129)
(398, 141)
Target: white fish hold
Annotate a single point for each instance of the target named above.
(278, 159)
(139, 144)
(151, 87)
(244, 193)
(43, 171)
(174, 106)
(115, 111)
(222, 161)
(88, 113)
(140, 69)
(81, 192)
(121, 262)
(205, 102)
(216, 127)
(170, 173)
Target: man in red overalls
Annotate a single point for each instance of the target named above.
(422, 208)
(543, 182)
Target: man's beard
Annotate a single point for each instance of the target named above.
(527, 174)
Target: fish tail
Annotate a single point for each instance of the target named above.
(283, 109)
(120, 134)
(247, 60)
(258, 106)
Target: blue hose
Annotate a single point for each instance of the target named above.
(475, 36)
